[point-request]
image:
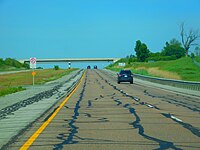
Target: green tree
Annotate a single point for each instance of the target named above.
(17, 64)
(56, 67)
(142, 52)
(13, 62)
(9, 61)
(173, 48)
(1, 62)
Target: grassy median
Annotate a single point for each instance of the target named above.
(11, 83)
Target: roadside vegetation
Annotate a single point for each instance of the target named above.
(173, 61)
(11, 83)
(5, 91)
(179, 69)
(197, 58)
(10, 64)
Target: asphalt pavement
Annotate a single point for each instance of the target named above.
(101, 114)
(19, 110)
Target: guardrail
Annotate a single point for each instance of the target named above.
(176, 83)
(170, 82)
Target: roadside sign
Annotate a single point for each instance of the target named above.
(33, 66)
(33, 63)
(121, 64)
(33, 73)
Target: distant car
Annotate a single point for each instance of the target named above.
(39, 68)
(88, 67)
(125, 76)
(95, 67)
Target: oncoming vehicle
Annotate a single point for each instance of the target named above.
(125, 76)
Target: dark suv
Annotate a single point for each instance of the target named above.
(125, 76)
(95, 67)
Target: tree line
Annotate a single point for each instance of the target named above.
(12, 63)
(172, 49)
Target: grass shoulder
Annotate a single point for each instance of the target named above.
(180, 69)
(11, 83)
(197, 58)
(9, 90)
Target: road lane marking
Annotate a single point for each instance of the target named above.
(177, 119)
(30, 141)
(151, 106)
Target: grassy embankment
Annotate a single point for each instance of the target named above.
(197, 59)
(11, 83)
(180, 69)
(5, 68)
(10, 64)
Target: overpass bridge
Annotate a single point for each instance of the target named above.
(70, 60)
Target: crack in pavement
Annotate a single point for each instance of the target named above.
(73, 128)
(137, 125)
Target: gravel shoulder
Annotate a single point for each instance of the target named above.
(20, 109)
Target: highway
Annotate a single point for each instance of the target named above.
(101, 114)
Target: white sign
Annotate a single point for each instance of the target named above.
(33, 63)
(121, 64)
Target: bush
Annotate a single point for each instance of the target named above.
(132, 60)
(1, 62)
(173, 48)
(162, 58)
(56, 67)
(17, 64)
(8, 61)
(27, 66)
(13, 62)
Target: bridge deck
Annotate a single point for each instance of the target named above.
(72, 60)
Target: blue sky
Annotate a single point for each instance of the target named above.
(90, 28)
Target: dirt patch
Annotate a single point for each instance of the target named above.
(161, 73)
(155, 71)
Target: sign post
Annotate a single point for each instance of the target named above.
(33, 74)
(33, 66)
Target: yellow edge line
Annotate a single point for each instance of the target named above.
(30, 141)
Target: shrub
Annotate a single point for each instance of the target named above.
(132, 60)
(1, 62)
(56, 67)
(13, 62)
(162, 58)
(25, 65)
(173, 48)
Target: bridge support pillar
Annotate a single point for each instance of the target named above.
(69, 65)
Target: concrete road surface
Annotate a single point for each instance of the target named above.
(102, 114)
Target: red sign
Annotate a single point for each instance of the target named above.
(33, 63)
